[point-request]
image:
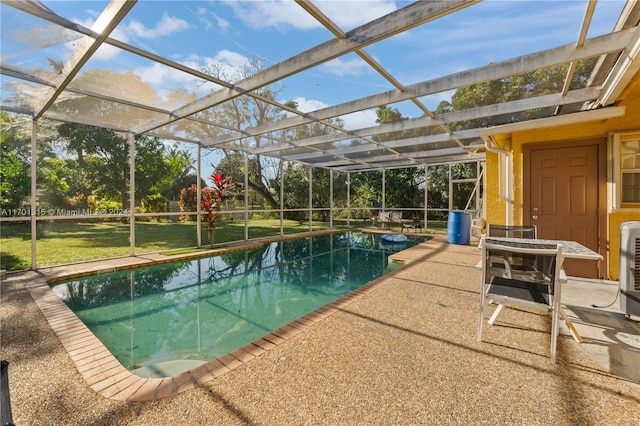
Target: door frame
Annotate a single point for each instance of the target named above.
(602, 214)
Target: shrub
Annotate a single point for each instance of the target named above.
(140, 209)
(188, 201)
(154, 203)
(106, 206)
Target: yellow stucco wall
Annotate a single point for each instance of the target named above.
(495, 209)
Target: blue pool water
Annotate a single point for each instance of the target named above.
(164, 319)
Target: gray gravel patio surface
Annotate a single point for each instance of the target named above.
(405, 353)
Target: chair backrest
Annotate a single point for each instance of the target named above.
(396, 216)
(512, 231)
(549, 256)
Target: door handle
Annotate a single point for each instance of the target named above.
(534, 217)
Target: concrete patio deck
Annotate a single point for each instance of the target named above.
(402, 352)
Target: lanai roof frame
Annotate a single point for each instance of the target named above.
(610, 74)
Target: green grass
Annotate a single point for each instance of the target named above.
(66, 241)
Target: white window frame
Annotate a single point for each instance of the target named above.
(615, 175)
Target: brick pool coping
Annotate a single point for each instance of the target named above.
(106, 376)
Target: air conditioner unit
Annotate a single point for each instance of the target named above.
(630, 268)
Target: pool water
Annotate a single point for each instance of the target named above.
(165, 319)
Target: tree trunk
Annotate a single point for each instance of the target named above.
(260, 189)
(211, 232)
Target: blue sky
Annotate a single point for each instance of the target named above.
(228, 33)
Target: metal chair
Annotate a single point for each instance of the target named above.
(536, 289)
(512, 231)
(503, 264)
(382, 218)
(396, 218)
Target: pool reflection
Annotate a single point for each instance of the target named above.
(194, 311)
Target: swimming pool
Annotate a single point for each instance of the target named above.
(164, 319)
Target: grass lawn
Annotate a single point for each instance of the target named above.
(67, 241)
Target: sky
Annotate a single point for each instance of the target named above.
(227, 34)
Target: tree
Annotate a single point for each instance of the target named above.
(243, 112)
(521, 86)
(97, 159)
(264, 172)
(366, 190)
(387, 115)
(153, 170)
(438, 186)
(101, 165)
(403, 187)
(462, 191)
(296, 190)
(109, 175)
(54, 177)
(115, 85)
(181, 172)
(15, 162)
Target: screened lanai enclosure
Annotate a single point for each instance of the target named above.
(131, 127)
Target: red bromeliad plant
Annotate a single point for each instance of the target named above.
(212, 198)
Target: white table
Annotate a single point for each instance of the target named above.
(570, 250)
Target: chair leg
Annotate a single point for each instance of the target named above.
(495, 313)
(482, 308)
(554, 333)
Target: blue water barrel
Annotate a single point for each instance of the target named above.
(459, 227)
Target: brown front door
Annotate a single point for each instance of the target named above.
(563, 199)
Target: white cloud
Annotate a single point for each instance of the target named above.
(167, 25)
(341, 68)
(355, 120)
(223, 24)
(201, 14)
(158, 74)
(229, 60)
(166, 78)
(286, 13)
(352, 14)
(308, 105)
(278, 13)
(359, 119)
(105, 52)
